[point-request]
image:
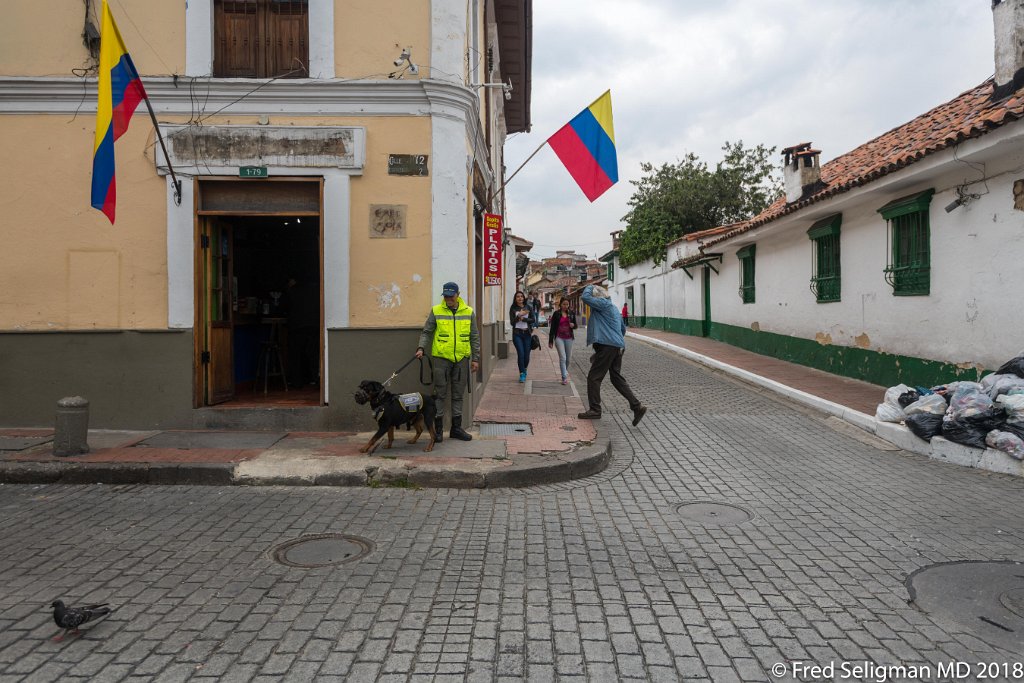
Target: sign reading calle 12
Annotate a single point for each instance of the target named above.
(492, 249)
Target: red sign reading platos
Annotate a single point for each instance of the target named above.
(492, 249)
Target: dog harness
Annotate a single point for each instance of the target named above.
(411, 404)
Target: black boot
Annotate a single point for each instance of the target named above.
(457, 431)
(438, 429)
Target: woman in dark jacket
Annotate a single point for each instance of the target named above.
(561, 332)
(523, 321)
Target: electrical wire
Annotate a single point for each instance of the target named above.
(142, 36)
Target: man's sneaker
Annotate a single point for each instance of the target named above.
(590, 415)
(638, 414)
(522, 377)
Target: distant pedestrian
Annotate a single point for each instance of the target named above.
(561, 332)
(535, 305)
(625, 314)
(606, 332)
(523, 320)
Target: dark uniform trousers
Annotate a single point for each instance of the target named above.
(454, 375)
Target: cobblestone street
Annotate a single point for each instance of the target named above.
(598, 579)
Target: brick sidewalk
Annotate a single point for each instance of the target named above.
(852, 393)
(556, 431)
(553, 417)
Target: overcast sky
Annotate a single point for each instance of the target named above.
(687, 75)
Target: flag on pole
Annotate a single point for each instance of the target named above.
(586, 145)
(120, 91)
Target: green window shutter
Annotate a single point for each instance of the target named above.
(611, 271)
(909, 234)
(826, 282)
(746, 257)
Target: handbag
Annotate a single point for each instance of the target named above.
(534, 343)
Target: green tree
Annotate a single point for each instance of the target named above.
(676, 199)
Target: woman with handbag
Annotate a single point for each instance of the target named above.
(561, 332)
(521, 316)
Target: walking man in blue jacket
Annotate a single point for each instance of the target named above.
(606, 332)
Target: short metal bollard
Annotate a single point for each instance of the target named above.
(71, 434)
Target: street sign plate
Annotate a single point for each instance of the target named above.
(252, 172)
(408, 164)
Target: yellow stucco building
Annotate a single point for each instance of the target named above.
(335, 160)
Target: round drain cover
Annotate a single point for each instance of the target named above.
(713, 514)
(322, 550)
(984, 598)
(1013, 600)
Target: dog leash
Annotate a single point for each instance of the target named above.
(395, 373)
(407, 363)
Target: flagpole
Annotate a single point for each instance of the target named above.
(156, 127)
(509, 179)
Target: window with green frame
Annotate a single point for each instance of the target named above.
(746, 257)
(611, 271)
(826, 282)
(909, 264)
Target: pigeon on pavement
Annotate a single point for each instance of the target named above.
(70, 618)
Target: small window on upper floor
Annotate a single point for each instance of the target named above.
(826, 282)
(261, 38)
(909, 237)
(746, 257)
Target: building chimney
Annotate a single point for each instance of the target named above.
(1008, 26)
(802, 172)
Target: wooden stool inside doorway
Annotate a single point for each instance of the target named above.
(271, 362)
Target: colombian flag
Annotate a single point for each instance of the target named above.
(586, 145)
(120, 91)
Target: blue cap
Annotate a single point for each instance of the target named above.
(450, 289)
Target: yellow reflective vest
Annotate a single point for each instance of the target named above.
(451, 336)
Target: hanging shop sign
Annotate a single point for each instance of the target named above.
(492, 249)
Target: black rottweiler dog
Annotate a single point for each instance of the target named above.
(390, 410)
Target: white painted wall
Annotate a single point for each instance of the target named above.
(448, 24)
(971, 315)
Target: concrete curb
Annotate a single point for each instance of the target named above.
(212, 474)
(533, 470)
(897, 434)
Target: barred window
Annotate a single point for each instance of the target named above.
(908, 270)
(826, 280)
(746, 257)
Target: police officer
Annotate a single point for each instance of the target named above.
(454, 339)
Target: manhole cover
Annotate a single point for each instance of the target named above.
(1014, 601)
(505, 429)
(713, 514)
(322, 550)
(987, 598)
(549, 388)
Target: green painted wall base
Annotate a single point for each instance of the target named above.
(886, 369)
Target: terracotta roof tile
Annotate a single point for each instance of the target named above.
(969, 115)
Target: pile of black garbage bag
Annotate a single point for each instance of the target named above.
(977, 414)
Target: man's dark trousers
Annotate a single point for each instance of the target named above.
(607, 359)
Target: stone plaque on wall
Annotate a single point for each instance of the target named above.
(387, 220)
